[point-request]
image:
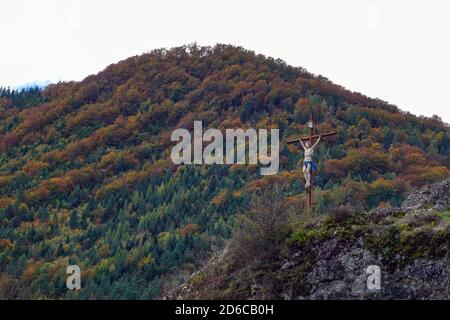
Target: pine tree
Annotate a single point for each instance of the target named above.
(73, 221)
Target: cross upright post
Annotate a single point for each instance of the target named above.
(311, 141)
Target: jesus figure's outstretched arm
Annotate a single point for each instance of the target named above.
(317, 142)
(303, 145)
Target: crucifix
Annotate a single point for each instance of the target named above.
(309, 165)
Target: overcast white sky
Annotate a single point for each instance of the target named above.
(395, 50)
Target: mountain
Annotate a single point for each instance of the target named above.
(86, 176)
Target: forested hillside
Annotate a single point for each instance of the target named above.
(86, 176)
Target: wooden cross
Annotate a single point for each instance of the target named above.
(311, 138)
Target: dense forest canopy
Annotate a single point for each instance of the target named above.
(86, 176)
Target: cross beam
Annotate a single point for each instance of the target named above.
(307, 138)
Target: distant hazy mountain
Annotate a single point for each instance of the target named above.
(33, 84)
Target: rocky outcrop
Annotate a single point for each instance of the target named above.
(435, 197)
(333, 259)
(341, 271)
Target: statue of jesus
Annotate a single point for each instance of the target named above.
(309, 166)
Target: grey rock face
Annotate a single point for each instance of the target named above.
(343, 275)
(435, 197)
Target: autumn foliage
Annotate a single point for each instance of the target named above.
(86, 175)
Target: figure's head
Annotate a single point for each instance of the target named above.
(308, 144)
